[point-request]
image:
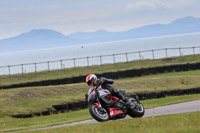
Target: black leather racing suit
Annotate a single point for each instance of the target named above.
(106, 84)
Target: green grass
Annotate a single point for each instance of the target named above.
(56, 74)
(34, 99)
(13, 124)
(169, 100)
(179, 123)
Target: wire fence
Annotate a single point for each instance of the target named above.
(98, 60)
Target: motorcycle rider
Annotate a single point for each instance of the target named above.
(92, 81)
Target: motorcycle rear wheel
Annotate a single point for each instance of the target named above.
(97, 114)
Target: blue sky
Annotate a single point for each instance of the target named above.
(69, 16)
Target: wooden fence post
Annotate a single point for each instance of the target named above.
(153, 54)
(140, 56)
(194, 50)
(180, 52)
(88, 61)
(61, 64)
(74, 62)
(114, 58)
(22, 68)
(166, 52)
(9, 69)
(48, 66)
(100, 60)
(35, 67)
(126, 57)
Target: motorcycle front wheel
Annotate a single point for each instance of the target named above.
(98, 114)
(138, 109)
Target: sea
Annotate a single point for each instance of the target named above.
(99, 53)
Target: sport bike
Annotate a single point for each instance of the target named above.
(100, 112)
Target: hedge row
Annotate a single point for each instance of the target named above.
(112, 75)
(83, 104)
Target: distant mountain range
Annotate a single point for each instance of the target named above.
(44, 38)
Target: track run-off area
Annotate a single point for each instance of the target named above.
(190, 106)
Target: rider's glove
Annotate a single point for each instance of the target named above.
(102, 80)
(99, 82)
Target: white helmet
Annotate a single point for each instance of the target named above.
(91, 79)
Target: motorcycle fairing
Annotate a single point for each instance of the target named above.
(114, 112)
(91, 96)
(104, 92)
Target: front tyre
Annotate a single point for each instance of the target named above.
(138, 109)
(97, 114)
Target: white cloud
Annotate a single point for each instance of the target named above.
(154, 4)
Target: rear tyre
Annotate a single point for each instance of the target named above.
(138, 109)
(97, 114)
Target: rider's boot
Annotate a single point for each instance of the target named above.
(126, 100)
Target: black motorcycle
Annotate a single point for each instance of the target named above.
(101, 112)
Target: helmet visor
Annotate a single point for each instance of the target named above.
(91, 81)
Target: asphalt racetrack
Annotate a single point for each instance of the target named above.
(191, 106)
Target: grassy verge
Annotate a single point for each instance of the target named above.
(179, 123)
(26, 100)
(13, 124)
(56, 74)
